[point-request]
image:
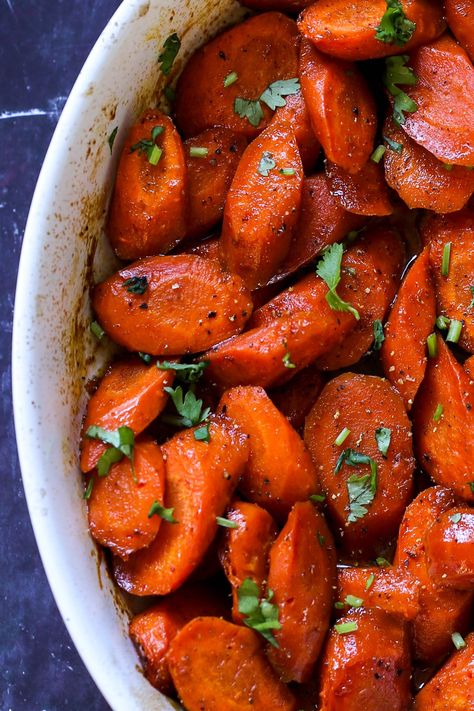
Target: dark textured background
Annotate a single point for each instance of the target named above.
(43, 44)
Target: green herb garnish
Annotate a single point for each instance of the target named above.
(393, 145)
(97, 330)
(146, 357)
(202, 434)
(111, 139)
(454, 333)
(251, 110)
(438, 412)
(159, 510)
(287, 362)
(352, 601)
(396, 72)
(274, 93)
(458, 640)
(148, 147)
(287, 171)
(317, 498)
(395, 27)
(259, 614)
(136, 284)
(198, 152)
(471, 305)
(329, 269)
(379, 336)
(455, 518)
(370, 581)
(346, 627)
(225, 523)
(185, 372)
(378, 154)
(446, 259)
(189, 408)
(353, 458)
(88, 491)
(383, 435)
(342, 436)
(361, 490)
(266, 164)
(432, 344)
(230, 79)
(170, 50)
(121, 441)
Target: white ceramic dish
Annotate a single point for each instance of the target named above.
(53, 352)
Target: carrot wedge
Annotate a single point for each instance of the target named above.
(302, 576)
(281, 5)
(213, 662)
(200, 480)
(364, 192)
(296, 398)
(390, 589)
(459, 14)
(450, 549)
(469, 368)
(296, 113)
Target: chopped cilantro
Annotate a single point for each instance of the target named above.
(122, 443)
(274, 93)
(148, 147)
(230, 79)
(159, 510)
(89, 487)
(170, 50)
(185, 372)
(438, 412)
(396, 72)
(266, 164)
(259, 614)
(287, 362)
(329, 269)
(201, 434)
(361, 490)
(189, 408)
(317, 498)
(455, 518)
(379, 336)
(370, 581)
(393, 145)
(136, 284)
(383, 436)
(111, 139)
(382, 562)
(251, 110)
(395, 27)
(146, 357)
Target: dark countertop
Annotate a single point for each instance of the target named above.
(43, 45)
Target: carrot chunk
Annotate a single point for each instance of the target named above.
(296, 113)
(390, 589)
(459, 14)
(296, 398)
(364, 192)
(450, 549)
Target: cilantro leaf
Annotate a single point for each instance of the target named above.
(266, 164)
(170, 50)
(383, 435)
(329, 269)
(89, 487)
(121, 441)
(287, 362)
(396, 72)
(379, 336)
(353, 458)
(189, 408)
(136, 284)
(471, 305)
(148, 146)
(395, 27)
(202, 434)
(251, 110)
(259, 614)
(394, 145)
(111, 139)
(185, 372)
(159, 510)
(361, 491)
(274, 93)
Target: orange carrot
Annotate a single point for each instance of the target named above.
(186, 304)
(364, 405)
(148, 208)
(469, 368)
(348, 30)
(282, 5)
(244, 550)
(340, 106)
(411, 320)
(262, 206)
(271, 479)
(213, 662)
(450, 549)
(296, 398)
(390, 589)
(302, 576)
(260, 51)
(459, 14)
(296, 113)
(443, 416)
(364, 192)
(200, 479)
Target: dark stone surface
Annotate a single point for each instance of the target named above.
(43, 44)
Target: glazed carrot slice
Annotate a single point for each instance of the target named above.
(209, 248)
(443, 417)
(459, 14)
(450, 549)
(260, 51)
(442, 611)
(153, 630)
(271, 479)
(296, 113)
(120, 502)
(364, 192)
(244, 550)
(302, 575)
(282, 5)
(454, 289)
(371, 663)
(451, 687)
(131, 394)
(296, 398)
(200, 480)
(411, 320)
(348, 30)
(185, 304)
(445, 80)
(148, 208)
(211, 660)
(469, 368)
(420, 179)
(390, 589)
(209, 176)
(379, 429)
(341, 107)
(262, 206)
(322, 222)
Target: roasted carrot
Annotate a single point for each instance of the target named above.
(200, 479)
(442, 611)
(209, 248)
(260, 51)
(411, 320)
(282, 5)
(366, 664)
(296, 398)
(244, 550)
(459, 14)
(372, 465)
(302, 576)
(364, 192)
(452, 237)
(148, 208)
(452, 687)
(450, 549)
(322, 222)
(153, 630)
(215, 663)
(390, 589)
(184, 304)
(444, 94)
(348, 30)
(341, 107)
(131, 394)
(271, 479)
(209, 176)
(469, 368)
(420, 179)
(443, 419)
(296, 113)
(262, 206)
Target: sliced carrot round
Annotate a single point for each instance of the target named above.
(459, 14)
(364, 192)
(450, 549)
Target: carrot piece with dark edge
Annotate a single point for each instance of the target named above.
(212, 158)
(215, 663)
(450, 549)
(262, 206)
(296, 398)
(443, 420)
(153, 630)
(382, 480)
(341, 107)
(364, 192)
(148, 208)
(348, 30)
(302, 577)
(390, 589)
(271, 479)
(367, 662)
(411, 320)
(296, 113)
(189, 304)
(200, 480)
(260, 51)
(459, 14)
(442, 611)
(131, 394)
(244, 550)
